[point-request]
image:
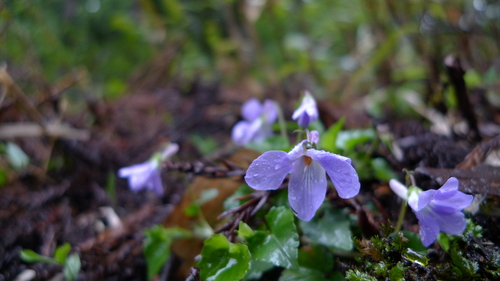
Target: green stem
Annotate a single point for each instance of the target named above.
(402, 214)
(281, 120)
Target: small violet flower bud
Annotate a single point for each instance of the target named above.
(147, 175)
(436, 210)
(307, 111)
(257, 121)
(307, 168)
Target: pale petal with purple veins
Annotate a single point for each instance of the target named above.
(307, 187)
(339, 169)
(268, 171)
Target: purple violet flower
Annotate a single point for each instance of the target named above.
(436, 210)
(147, 175)
(258, 119)
(307, 166)
(307, 111)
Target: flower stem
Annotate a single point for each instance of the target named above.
(401, 217)
(282, 122)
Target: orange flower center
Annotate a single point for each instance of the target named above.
(307, 160)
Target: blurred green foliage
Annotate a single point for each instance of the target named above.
(372, 43)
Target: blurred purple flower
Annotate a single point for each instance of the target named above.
(307, 166)
(147, 175)
(258, 119)
(307, 111)
(437, 210)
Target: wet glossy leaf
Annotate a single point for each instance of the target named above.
(331, 230)
(307, 274)
(245, 231)
(222, 260)
(279, 244)
(316, 257)
(257, 269)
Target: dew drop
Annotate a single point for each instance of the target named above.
(255, 175)
(277, 166)
(293, 198)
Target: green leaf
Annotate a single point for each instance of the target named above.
(397, 272)
(244, 230)
(205, 144)
(416, 257)
(17, 158)
(382, 169)
(467, 267)
(257, 269)
(306, 274)
(316, 257)
(472, 78)
(414, 242)
(348, 140)
(4, 177)
(31, 257)
(279, 245)
(157, 243)
(72, 267)
(222, 260)
(329, 138)
(62, 252)
(356, 275)
(331, 230)
(444, 241)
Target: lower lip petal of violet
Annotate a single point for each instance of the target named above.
(308, 168)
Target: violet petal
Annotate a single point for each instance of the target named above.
(307, 188)
(453, 223)
(429, 228)
(425, 198)
(340, 171)
(268, 171)
(251, 109)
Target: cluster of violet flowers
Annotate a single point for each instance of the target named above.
(306, 165)
(437, 210)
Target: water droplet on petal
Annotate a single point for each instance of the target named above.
(293, 198)
(276, 167)
(255, 175)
